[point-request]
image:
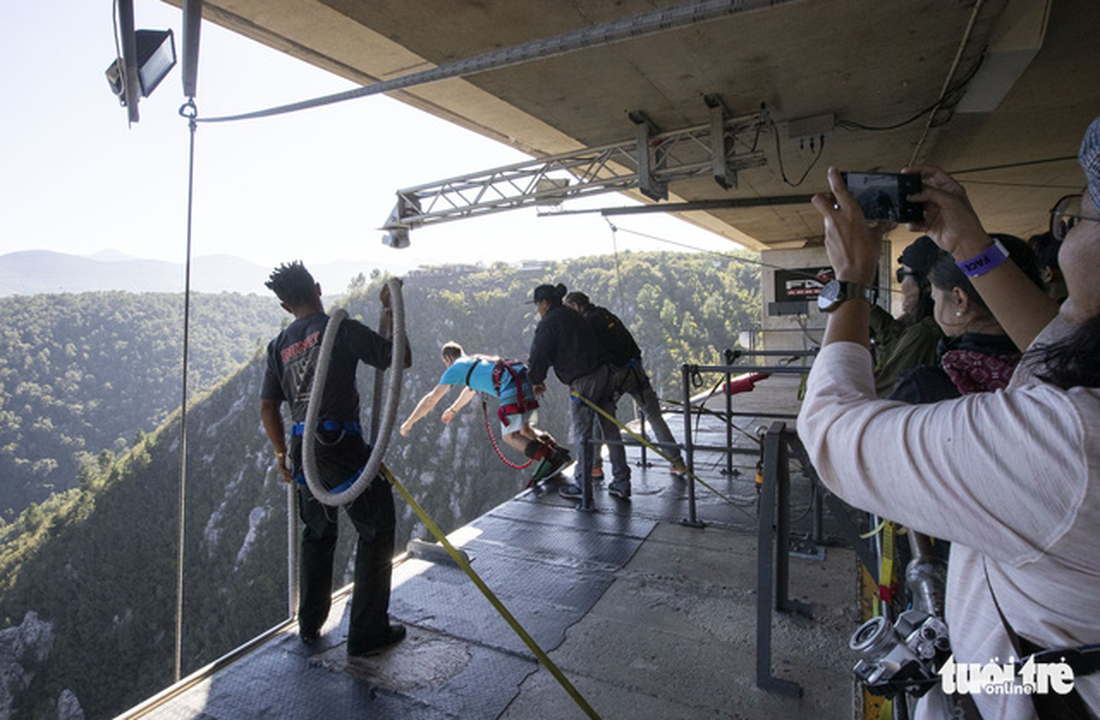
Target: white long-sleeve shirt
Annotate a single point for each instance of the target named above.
(1011, 477)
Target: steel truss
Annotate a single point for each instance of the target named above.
(649, 163)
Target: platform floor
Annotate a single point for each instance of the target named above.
(646, 616)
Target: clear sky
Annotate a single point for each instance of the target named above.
(314, 185)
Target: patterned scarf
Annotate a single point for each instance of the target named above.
(973, 371)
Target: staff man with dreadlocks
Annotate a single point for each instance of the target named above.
(506, 380)
(341, 453)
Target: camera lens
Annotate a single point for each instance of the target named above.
(872, 637)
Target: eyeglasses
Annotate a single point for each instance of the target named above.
(1065, 215)
(902, 273)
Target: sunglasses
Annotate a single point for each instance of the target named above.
(1065, 215)
(902, 273)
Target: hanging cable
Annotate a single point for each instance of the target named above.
(946, 91)
(618, 273)
(189, 111)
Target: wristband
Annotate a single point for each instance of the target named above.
(993, 256)
(280, 455)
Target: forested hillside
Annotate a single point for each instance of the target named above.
(82, 374)
(97, 565)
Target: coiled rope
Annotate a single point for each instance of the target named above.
(389, 406)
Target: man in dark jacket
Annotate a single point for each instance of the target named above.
(341, 453)
(565, 341)
(622, 352)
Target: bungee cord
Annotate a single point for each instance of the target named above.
(389, 406)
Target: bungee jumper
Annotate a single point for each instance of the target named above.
(507, 381)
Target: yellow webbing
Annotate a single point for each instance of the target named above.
(490, 596)
(649, 445)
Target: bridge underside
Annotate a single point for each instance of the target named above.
(1011, 83)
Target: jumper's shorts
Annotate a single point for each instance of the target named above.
(516, 421)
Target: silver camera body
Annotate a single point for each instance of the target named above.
(903, 657)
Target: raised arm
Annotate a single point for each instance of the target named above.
(462, 401)
(424, 407)
(854, 252)
(1020, 306)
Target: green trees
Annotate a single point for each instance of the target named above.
(80, 373)
(92, 383)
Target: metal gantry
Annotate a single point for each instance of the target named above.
(649, 163)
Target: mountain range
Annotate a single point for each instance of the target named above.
(33, 272)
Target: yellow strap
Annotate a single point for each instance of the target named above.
(649, 445)
(490, 596)
(886, 576)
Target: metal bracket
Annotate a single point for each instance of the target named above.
(644, 129)
(724, 175)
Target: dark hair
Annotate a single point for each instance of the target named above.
(552, 294)
(1046, 249)
(1071, 361)
(578, 298)
(452, 350)
(293, 284)
(946, 275)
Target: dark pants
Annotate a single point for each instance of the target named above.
(598, 387)
(339, 457)
(632, 379)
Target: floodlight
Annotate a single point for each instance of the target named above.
(156, 55)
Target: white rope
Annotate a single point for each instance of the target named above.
(389, 408)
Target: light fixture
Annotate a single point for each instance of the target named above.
(156, 55)
(146, 57)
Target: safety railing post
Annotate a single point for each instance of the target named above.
(292, 550)
(587, 503)
(771, 591)
(729, 427)
(689, 447)
(641, 426)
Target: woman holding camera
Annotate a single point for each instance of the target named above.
(1011, 478)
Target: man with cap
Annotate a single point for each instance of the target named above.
(910, 340)
(564, 340)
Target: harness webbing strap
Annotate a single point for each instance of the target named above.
(348, 426)
(522, 404)
(300, 478)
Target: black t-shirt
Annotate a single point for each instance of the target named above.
(292, 363)
(615, 342)
(564, 340)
